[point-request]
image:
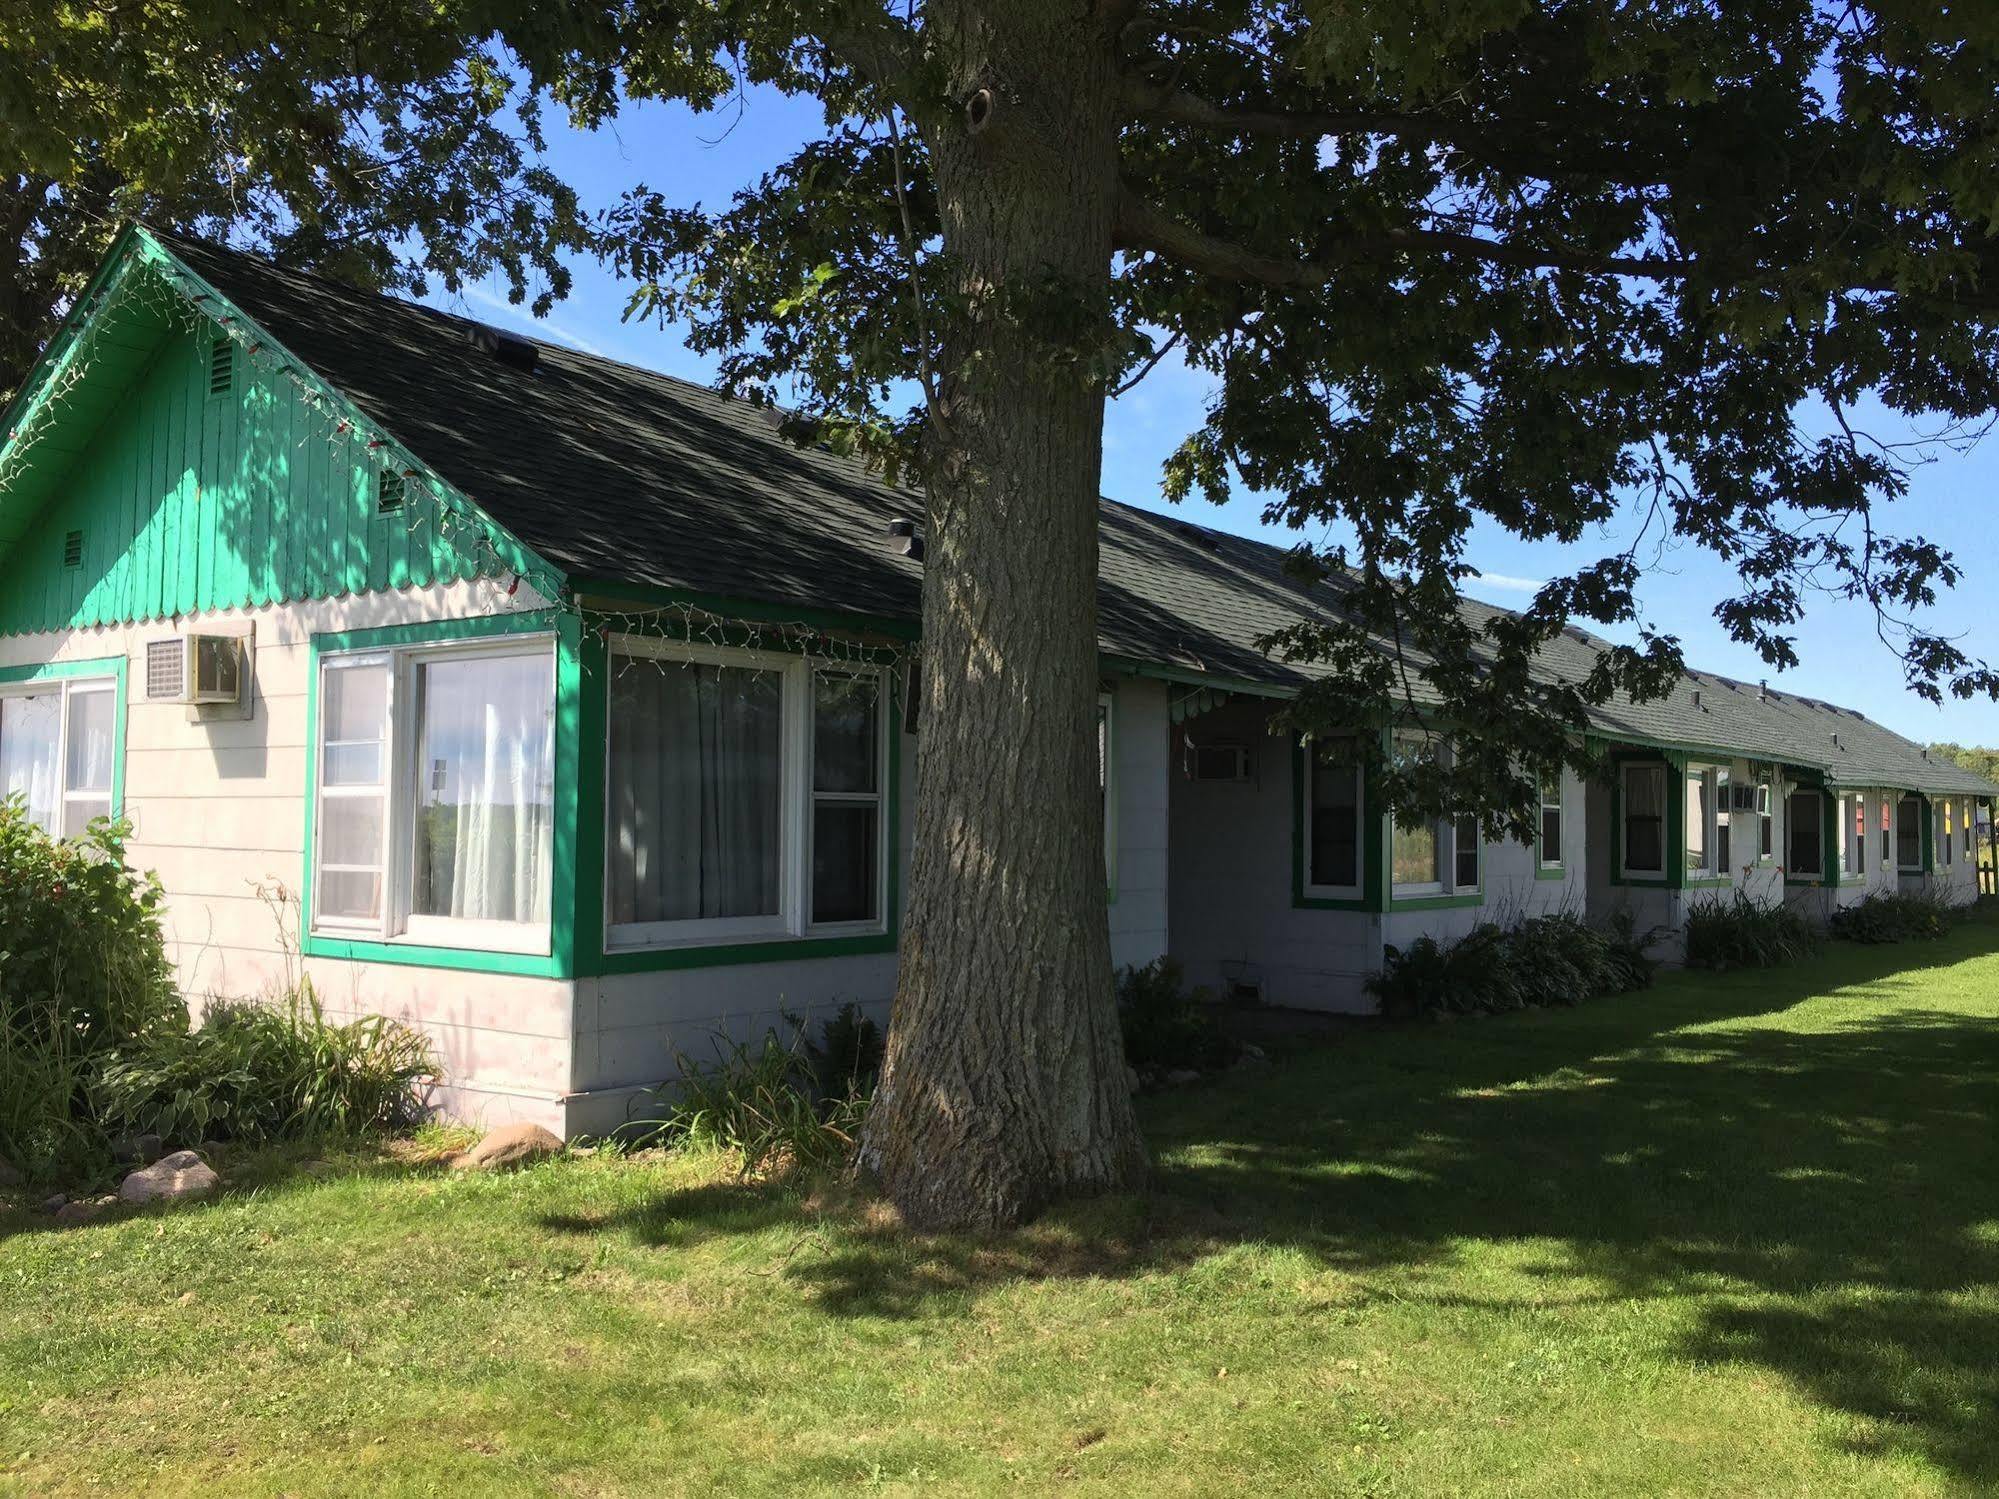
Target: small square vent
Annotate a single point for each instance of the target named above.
(72, 549)
(221, 366)
(390, 492)
(166, 670)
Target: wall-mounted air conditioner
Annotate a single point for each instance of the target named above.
(195, 669)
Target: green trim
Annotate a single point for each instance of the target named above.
(21, 412)
(1673, 814)
(1544, 869)
(1191, 677)
(1434, 902)
(781, 950)
(113, 667)
(1372, 884)
(1559, 872)
(560, 960)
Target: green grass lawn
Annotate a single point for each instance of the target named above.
(1733, 1236)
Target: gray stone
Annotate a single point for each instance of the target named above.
(510, 1145)
(53, 1204)
(142, 1149)
(83, 1210)
(1179, 1077)
(182, 1174)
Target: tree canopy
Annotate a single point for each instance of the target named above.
(385, 144)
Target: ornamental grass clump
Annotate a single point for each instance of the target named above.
(1741, 932)
(1894, 916)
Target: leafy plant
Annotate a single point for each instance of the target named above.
(256, 1071)
(1742, 932)
(760, 1099)
(847, 1058)
(1894, 916)
(1541, 960)
(1165, 1025)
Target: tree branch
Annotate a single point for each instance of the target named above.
(1161, 102)
(1140, 226)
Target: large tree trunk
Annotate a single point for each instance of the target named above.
(1005, 1081)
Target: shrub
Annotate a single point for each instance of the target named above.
(83, 970)
(847, 1060)
(265, 1071)
(762, 1100)
(1894, 916)
(1164, 1025)
(1740, 932)
(1543, 960)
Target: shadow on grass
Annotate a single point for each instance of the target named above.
(1824, 1196)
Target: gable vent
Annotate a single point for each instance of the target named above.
(389, 492)
(72, 549)
(221, 366)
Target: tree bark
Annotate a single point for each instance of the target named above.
(1005, 1085)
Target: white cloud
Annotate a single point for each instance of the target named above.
(1510, 583)
(540, 327)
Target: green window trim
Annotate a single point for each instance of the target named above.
(560, 959)
(593, 956)
(95, 668)
(1546, 868)
(1672, 832)
(1373, 852)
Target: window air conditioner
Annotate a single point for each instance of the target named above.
(194, 669)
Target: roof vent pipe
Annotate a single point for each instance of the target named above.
(1763, 690)
(1697, 697)
(1835, 739)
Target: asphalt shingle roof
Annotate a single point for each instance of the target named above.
(621, 475)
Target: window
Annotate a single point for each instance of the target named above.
(1707, 823)
(1549, 855)
(746, 797)
(1332, 821)
(436, 796)
(1887, 828)
(1949, 839)
(1909, 833)
(1644, 830)
(58, 740)
(1435, 856)
(1853, 836)
(1766, 831)
(1965, 830)
(1804, 831)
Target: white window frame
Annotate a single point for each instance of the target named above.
(792, 920)
(1715, 780)
(1852, 850)
(1902, 815)
(63, 688)
(1551, 801)
(1766, 822)
(1312, 766)
(1625, 868)
(1445, 830)
(1947, 827)
(397, 924)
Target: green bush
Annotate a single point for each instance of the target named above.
(1543, 960)
(1165, 1026)
(83, 971)
(760, 1099)
(847, 1059)
(267, 1071)
(1739, 932)
(1894, 916)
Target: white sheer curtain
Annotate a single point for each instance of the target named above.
(30, 753)
(485, 787)
(696, 791)
(87, 785)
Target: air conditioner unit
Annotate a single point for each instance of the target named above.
(1216, 762)
(194, 669)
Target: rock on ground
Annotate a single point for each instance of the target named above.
(83, 1209)
(510, 1145)
(182, 1174)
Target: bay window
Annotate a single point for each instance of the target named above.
(58, 741)
(1332, 829)
(434, 816)
(1804, 830)
(746, 797)
(1643, 834)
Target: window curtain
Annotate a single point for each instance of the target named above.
(485, 797)
(696, 791)
(30, 749)
(92, 726)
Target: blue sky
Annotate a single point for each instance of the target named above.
(706, 158)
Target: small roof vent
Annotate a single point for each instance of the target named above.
(72, 549)
(390, 491)
(514, 352)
